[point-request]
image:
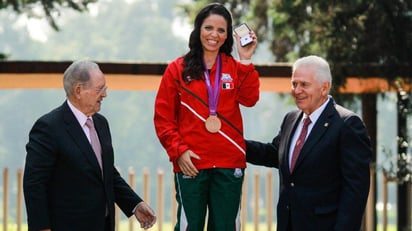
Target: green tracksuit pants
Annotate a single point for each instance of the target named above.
(215, 193)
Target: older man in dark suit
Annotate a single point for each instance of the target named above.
(70, 182)
(323, 163)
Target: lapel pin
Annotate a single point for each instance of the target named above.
(326, 125)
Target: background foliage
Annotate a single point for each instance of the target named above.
(351, 34)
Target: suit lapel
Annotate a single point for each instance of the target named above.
(290, 127)
(74, 129)
(318, 131)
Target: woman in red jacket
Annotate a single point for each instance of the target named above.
(199, 123)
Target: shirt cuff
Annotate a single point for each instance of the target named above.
(134, 210)
(246, 61)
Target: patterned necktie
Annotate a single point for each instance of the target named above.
(94, 141)
(300, 142)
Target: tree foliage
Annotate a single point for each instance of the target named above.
(134, 31)
(348, 33)
(50, 9)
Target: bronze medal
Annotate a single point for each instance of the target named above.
(213, 124)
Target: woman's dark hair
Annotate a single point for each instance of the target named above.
(193, 60)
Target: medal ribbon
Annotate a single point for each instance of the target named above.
(213, 93)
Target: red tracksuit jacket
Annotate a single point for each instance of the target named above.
(181, 108)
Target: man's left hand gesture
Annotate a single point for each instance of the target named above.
(145, 215)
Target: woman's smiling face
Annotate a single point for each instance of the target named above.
(213, 33)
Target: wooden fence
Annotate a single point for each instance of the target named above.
(159, 197)
(161, 193)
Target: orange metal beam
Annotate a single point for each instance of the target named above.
(114, 81)
(151, 83)
(147, 76)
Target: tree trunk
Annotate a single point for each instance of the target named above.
(369, 116)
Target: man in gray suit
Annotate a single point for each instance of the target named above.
(324, 184)
(67, 185)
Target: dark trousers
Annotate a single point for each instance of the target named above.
(107, 225)
(289, 227)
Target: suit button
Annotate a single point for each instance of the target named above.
(292, 184)
(287, 207)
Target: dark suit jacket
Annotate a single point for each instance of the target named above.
(329, 186)
(63, 184)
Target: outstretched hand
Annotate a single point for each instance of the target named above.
(145, 215)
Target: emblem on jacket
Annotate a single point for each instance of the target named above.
(227, 81)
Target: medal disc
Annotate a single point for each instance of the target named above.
(213, 124)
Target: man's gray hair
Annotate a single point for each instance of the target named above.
(77, 72)
(320, 65)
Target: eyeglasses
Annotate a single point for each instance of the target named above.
(99, 90)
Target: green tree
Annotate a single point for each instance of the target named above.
(348, 33)
(135, 31)
(50, 9)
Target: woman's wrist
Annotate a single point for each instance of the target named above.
(245, 61)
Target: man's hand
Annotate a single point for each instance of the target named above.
(145, 215)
